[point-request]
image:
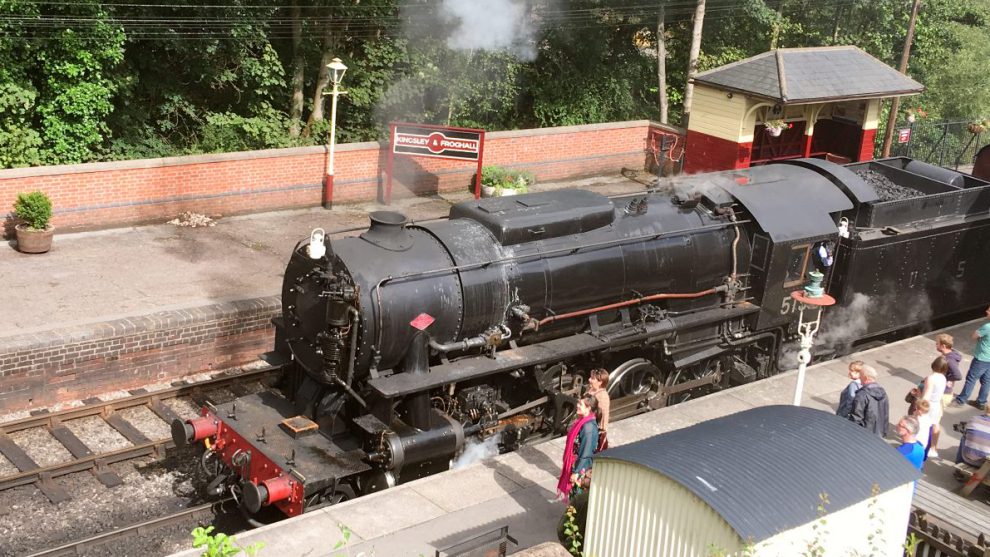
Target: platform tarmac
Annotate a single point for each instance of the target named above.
(517, 489)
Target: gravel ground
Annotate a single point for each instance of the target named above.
(6, 468)
(886, 189)
(147, 422)
(182, 406)
(97, 434)
(44, 449)
(29, 522)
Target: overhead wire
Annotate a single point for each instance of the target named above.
(212, 27)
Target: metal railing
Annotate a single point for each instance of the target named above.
(950, 143)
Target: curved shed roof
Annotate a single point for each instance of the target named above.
(806, 75)
(763, 469)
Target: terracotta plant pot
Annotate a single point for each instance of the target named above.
(33, 241)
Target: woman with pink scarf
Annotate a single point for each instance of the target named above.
(582, 438)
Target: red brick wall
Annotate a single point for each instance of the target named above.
(71, 364)
(103, 195)
(706, 153)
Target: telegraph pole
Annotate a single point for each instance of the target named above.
(895, 103)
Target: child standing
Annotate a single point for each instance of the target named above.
(846, 398)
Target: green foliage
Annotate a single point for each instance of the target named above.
(506, 178)
(220, 544)
(815, 546)
(34, 208)
(232, 132)
(19, 143)
(89, 80)
(572, 533)
(911, 545)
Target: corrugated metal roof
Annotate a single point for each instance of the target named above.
(763, 469)
(803, 75)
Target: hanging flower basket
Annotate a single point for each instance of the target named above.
(977, 127)
(776, 127)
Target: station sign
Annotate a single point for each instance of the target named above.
(446, 143)
(904, 135)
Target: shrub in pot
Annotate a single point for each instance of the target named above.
(34, 234)
(497, 181)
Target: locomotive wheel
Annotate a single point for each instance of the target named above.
(709, 369)
(636, 378)
(343, 492)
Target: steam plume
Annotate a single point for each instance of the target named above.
(476, 451)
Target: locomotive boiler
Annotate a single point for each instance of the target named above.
(404, 343)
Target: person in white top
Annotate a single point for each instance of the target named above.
(934, 389)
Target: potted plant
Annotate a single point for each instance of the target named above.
(978, 127)
(776, 127)
(497, 181)
(34, 234)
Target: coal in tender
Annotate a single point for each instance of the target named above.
(885, 188)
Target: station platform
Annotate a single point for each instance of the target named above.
(518, 489)
(118, 309)
(109, 274)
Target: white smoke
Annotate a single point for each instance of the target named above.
(476, 451)
(845, 324)
(491, 25)
(470, 25)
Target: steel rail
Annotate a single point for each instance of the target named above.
(83, 464)
(51, 419)
(142, 528)
(97, 461)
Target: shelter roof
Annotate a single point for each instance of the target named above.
(763, 469)
(806, 75)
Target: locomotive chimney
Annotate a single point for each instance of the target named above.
(388, 231)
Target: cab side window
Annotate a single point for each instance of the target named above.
(797, 264)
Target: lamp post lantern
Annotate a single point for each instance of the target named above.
(813, 296)
(337, 69)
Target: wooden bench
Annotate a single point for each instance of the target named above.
(973, 476)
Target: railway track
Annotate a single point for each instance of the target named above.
(86, 459)
(141, 529)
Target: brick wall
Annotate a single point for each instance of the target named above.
(41, 369)
(102, 195)
(707, 153)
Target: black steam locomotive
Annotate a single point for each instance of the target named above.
(407, 341)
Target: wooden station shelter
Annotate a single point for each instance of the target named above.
(827, 97)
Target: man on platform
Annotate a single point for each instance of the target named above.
(871, 407)
(979, 370)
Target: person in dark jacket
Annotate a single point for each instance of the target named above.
(943, 345)
(871, 407)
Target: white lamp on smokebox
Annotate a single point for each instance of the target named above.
(337, 69)
(813, 296)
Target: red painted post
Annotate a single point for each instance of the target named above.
(327, 201)
(481, 158)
